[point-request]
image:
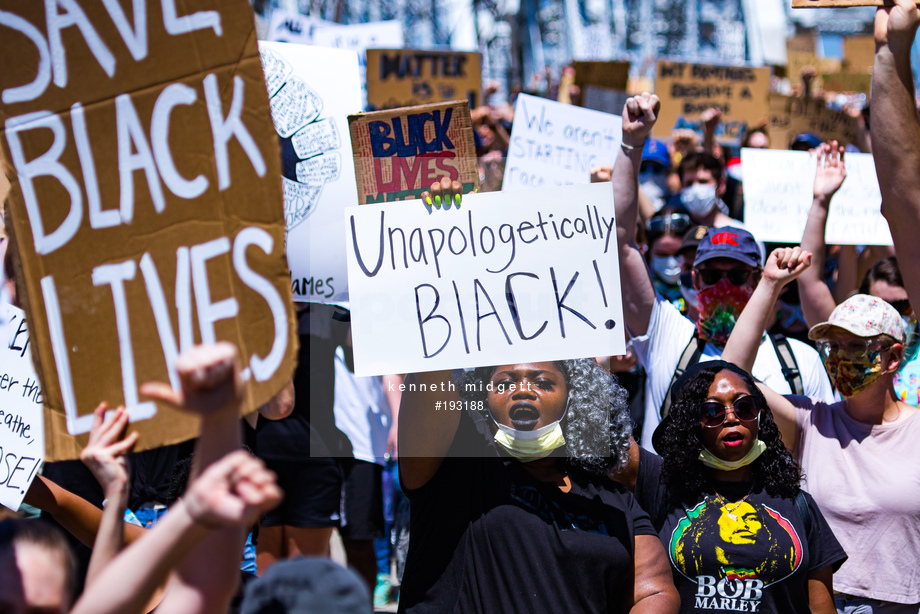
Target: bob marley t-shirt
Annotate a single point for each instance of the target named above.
(740, 552)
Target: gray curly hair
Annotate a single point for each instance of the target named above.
(596, 401)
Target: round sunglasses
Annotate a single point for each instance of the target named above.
(713, 413)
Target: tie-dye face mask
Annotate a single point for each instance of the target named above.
(850, 374)
(720, 306)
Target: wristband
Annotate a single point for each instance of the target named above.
(629, 148)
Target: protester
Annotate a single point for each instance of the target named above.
(510, 507)
(37, 568)
(853, 452)
(726, 270)
(741, 534)
(664, 232)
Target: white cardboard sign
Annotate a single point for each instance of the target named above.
(778, 191)
(555, 144)
(22, 430)
(313, 90)
(504, 278)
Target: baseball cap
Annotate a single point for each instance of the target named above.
(691, 239)
(656, 151)
(311, 585)
(806, 139)
(728, 242)
(864, 316)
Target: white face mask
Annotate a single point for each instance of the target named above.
(699, 199)
(667, 268)
(531, 445)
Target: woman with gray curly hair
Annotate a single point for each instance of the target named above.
(511, 510)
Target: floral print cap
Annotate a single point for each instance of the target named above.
(864, 316)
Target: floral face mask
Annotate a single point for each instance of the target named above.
(720, 305)
(851, 374)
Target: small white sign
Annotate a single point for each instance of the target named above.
(22, 427)
(778, 191)
(313, 90)
(554, 144)
(504, 278)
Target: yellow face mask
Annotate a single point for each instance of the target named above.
(532, 445)
(711, 460)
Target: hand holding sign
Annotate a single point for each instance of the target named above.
(639, 116)
(444, 191)
(830, 173)
(210, 380)
(896, 25)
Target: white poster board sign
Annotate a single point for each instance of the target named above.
(554, 144)
(312, 91)
(22, 430)
(292, 28)
(504, 278)
(778, 190)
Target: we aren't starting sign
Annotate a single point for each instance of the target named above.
(145, 203)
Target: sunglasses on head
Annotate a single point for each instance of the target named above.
(737, 277)
(677, 223)
(713, 413)
(902, 306)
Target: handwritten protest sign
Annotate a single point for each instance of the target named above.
(145, 204)
(792, 115)
(859, 53)
(22, 435)
(848, 82)
(312, 92)
(398, 154)
(505, 278)
(555, 144)
(409, 77)
(778, 188)
(686, 90)
(797, 60)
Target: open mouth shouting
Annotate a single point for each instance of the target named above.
(524, 416)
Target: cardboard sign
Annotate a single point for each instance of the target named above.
(686, 90)
(145, 205)
(848, 82)
(555, 144)
(797, 60)
(505, 278)
(859, 53)
(791, 115)
(398, 154)
(610, 75)
(22, 433)
(778, 189)
(409, 77)
(312, 92)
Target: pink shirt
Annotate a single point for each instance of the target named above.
(866, 480)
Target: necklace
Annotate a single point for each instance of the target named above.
(731, 507)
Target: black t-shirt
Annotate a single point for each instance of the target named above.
(310, 429)
(485, 536)
(650, 492)
(751, 555)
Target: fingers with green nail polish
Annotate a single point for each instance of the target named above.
(457, 199)
(437, 201)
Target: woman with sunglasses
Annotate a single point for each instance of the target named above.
(740, 534)
(857, 453)
(664, 231)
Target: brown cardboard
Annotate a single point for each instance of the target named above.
(848, 82)
(859, 53)
(407, 77)
(686, 90)
(396, 174)
(611, 75)
(806, 43)
(797, 60)
(211, 56)
(790, 115)
(816, 4)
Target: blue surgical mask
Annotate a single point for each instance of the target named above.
(667, 268)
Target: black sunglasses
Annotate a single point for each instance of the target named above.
(746, 409)
(677, 223)
(737, 277)
(902, 306)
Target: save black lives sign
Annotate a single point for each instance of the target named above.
(505, 277)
